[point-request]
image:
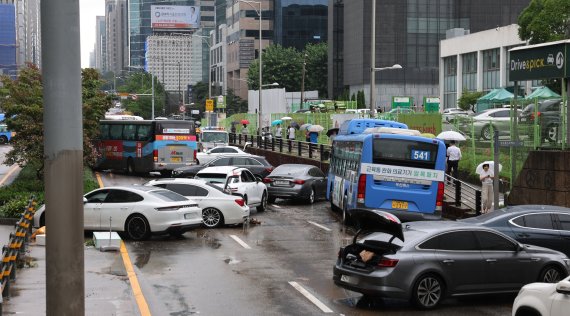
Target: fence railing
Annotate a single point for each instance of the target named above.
(320, 152)
(14, 252)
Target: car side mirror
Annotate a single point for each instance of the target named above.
(84, 200)
(563, 287)
(520, 247)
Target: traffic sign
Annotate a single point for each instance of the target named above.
(182, 109)
(511, 143)
(209, 105)
(134, 97)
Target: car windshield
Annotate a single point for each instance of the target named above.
(293, 171)
(212, 177)
(214, 137)
(168, 196)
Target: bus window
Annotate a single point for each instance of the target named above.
(129, 132)
(104, 131)
(116, 132)
(144, 133)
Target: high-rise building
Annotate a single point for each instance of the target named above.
(28, 32)
(8, 44)
(100, 44)
(300, 22)
(407, 33)
(116, 30)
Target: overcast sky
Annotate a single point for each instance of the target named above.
(89, 9)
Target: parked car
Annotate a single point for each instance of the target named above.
(138, 211)
(428, 261)
(205, 157)
(541, 225)
(400, 110)
(258, 165)
(537, 299)
(296, 181)
(548, 118)
(237, 180)
(449, 115)
(488, 121)
(218, 207)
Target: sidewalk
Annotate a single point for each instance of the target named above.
(107, 287)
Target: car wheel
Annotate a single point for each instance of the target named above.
(263, 205)
(3, 140)
(137, 227)
(212, 217)
(311, 198)
(428, 291)
(271, 199)
(130, 166)
(551, 274)
(527, 311)
(551, 133)
(486, 132)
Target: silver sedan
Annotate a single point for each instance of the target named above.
(439, 259)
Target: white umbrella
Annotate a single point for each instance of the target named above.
(450, 135)
(315, 128)
(491, 164)
(284, 118)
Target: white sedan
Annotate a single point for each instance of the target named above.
(541, 299)
(205, 157)
(237, 180)
(218, 208)
(137, 210)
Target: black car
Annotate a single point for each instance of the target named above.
(258, 165)
(548, 118)
(296, 181)
(541, 225)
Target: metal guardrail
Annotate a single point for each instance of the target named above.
(463, 194)
(319, 152)
(13, 253)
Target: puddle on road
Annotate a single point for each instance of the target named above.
(142, 259)
(214, 243)
(362, 302)
(232, 261)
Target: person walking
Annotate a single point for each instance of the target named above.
(453, 157)
(307, 136)
(486, 176)
(291, 131)
(278, 132)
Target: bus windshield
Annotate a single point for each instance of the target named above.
(214, 137)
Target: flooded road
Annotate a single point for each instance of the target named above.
(281, 266)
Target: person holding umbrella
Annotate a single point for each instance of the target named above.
(453, 157)
(486, 176)
(278, 132)
(291, 131)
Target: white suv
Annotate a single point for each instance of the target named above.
(541, 299)
(237, 180)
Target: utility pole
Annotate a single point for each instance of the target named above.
(303, 81)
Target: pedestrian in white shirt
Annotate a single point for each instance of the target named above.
(279, 131)
(291, 131)
(486, 176)
(453, 157)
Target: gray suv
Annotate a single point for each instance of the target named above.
(548, 118)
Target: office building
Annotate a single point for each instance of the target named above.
(408, 33)
(100, 44)
(28, 32)
(300, 22)
(8, 44)
(116, 31)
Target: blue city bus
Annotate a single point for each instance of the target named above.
(5, 134)
(143, 146)
(390, 168)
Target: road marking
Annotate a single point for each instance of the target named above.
(239, 241)
(319, 226)
(12, 170)
(137, 292)
(310, 297)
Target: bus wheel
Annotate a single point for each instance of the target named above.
(130, 166)
(3, 140)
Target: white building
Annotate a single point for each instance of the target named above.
(176, 60)
(475, 62)
(218, 78)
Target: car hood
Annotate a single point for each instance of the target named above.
(372, 220)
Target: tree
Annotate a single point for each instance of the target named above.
(234, 104)
(468, 99)
(545, 21)
(22, 101)
(141, 83)
(281, 65)
(316, 68)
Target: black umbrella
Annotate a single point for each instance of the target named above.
(295, 125)
(235, 122)
(332, 131)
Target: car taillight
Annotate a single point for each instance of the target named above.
(267, 180)
(155, 155)
(269, 169)
(439, 197)
(387, 263)
(195, 151)
(361, 189)
(240, 202)
(298, 181)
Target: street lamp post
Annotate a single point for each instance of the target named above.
(259, 116)
(303, 80)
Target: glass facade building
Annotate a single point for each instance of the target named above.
(8, 64)
(299, 22)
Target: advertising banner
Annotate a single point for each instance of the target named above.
(402, 102)
(431, 104)
(221, 102)
(174, 17)
(539, 62)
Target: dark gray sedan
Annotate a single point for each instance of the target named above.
(438, 259)
(296, 181)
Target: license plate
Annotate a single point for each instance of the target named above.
(176, 159)
(281, 182)
(347, 279)
(400, 205)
